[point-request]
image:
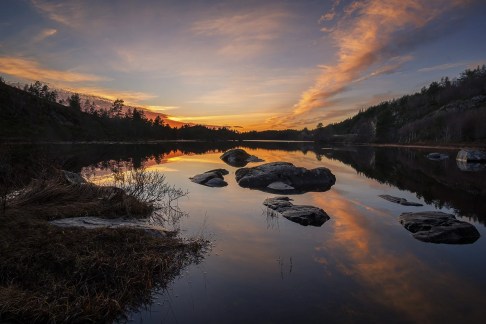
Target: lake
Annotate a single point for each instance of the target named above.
(360, 266)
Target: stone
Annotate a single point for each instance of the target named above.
(216, 182)
(439, 227)
(96, 222)
(73, 178)
(212, 178)
(437, 156)
(301, 214)
(471, 160)
(264, 176)
(401, 201)
(238, 158)
(280, 186)
(470, 155)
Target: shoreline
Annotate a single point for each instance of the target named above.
(449, 146)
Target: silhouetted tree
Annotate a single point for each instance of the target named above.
(117, 108)
(75, 101)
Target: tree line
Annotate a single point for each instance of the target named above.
(445, 111)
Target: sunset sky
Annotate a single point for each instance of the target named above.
(255, 64)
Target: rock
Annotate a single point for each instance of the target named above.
(469, 155)
(216, 182)
(304, 215)
(212, 178)
(73, 178)
(401, 201)
(437, 156)
(238, 158)
(264, 176)
(280, 186)
(95, 222)
(471, 160)
(439, 227)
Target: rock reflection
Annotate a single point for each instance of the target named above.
(442, 183)
(392, 277)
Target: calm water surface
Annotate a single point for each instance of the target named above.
(360, 266)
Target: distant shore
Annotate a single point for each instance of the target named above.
(451, 146)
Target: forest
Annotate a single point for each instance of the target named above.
(446, 111)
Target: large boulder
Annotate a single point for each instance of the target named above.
(238, 158)
(301, 214)
(468, 155)
(212, 178)
(284, 177)
(439, 227)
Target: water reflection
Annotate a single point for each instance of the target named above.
(390, 275)
(440, 183)
(361, 266)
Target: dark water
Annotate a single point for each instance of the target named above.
(361, 266)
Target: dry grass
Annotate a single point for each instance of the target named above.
(54, 198)
(53, 274)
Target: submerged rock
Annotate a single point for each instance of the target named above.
(284, 176)
(238, 158)
(401, 201)
(469, 155)
(304, 215)
(95, 222)
(439, 227)
(212, 178)
(437, 156)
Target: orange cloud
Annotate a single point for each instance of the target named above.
(130, 97)
(367, 34)
(31, 70)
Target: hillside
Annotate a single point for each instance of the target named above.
(24, 116)
(104, 103)
(448, 111)
(35, 115)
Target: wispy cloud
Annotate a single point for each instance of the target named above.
(64, 12)
(442, 67)
(392, 66)
(130, 97)
(244, 34)
(369, 34)
(161, 108)
(31, 70)
(28, 69)
(45, 33)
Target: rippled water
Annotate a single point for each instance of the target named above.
(360, 266)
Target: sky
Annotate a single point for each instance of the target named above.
(250, 64)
